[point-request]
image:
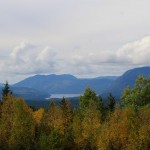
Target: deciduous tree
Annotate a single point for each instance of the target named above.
(139, 95)
(23, 127)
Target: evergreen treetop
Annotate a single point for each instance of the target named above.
(6, 90)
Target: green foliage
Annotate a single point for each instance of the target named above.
(43, 142)
(87, 120)
(139, 95)
(55, 140)
(68, 139)
(89, 97)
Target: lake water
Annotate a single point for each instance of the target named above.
(63, 95)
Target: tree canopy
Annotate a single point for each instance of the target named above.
(94, 125)
(139, 95)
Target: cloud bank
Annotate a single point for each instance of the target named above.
(28, 59)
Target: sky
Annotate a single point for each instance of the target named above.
(85, 38)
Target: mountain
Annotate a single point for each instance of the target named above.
(64, 84)
(68, 84)
(127, 79)
(27, 93)
(108, 77)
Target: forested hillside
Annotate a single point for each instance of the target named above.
(93, 125)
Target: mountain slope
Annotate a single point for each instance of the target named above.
(27, 93)
(127, 79)
(66, 84)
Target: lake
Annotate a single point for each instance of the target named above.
(63, 95)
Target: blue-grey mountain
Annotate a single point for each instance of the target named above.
(27, 93)
(68, 84)
(127, 79)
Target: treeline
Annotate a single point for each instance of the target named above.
(124, 125)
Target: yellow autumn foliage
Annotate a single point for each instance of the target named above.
(38, 115)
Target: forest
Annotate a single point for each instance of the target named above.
(94, 125)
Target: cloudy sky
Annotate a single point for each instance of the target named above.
(86, 38)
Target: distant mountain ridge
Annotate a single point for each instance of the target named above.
(68, 84)
(127, 79)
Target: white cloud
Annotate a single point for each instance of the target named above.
(136, 53)
(27, 58)
(132, 54)
(21, 52)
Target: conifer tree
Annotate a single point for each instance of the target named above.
(67, 116)
(111, 102)
(89, 95)
(66, 113)
(6, 91)
(86, 99)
